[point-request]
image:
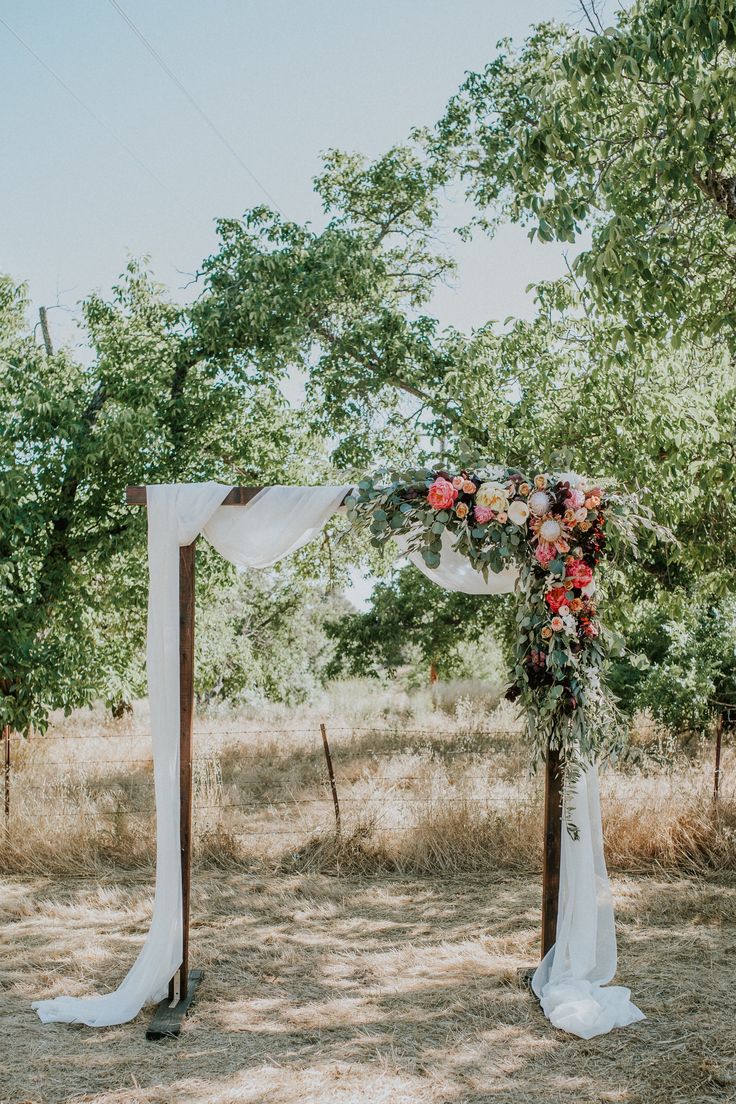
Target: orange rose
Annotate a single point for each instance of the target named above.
(540, 482)
(469, 486)
(524, 489)
(441, 495)
(458, 482)
(546, 632)
(461, 510)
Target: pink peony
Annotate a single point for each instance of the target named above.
(482, 514)
(578, 574)
(441, 495)
(575, 499)
(545, 553)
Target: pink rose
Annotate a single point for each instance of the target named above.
(441, 494)
(578, 573)
(482, 514)
(575, 499)
(545, 553)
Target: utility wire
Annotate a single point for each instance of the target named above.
(93, 115)
(200, 110)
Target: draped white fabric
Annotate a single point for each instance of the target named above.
(277, 521)
(455, 571)
(570, 981)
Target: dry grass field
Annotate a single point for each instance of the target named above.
(377, 967)
(387, 990)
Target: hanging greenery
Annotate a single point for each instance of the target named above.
(553, 530)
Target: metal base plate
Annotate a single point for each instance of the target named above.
(168, 1018)
(524, 977)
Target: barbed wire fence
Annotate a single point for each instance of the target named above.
(281, 814)
(314, 746)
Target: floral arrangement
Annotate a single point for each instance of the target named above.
(553, 529)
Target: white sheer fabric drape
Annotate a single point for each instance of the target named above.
(570, 981)
(276, 522)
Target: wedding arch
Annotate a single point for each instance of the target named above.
(492, 530)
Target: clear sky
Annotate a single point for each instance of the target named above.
(281, 79)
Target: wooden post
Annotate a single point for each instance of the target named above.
(170, 1013)
(167, 1020)
(6, 745)
(552, 848)
(717, 770)
(331, 774)
(178, 985)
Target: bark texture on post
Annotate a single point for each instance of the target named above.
(331, 775)
(178, 985)
(6, 753)
(717, 768)
(552, 848)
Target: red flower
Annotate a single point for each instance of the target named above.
(578, 574)
(441, 494)
(557, 597)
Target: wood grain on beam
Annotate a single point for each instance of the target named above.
(238, 496)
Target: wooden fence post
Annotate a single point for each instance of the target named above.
(6, 748)
(552, 848)
(717, 769)
(331, 773)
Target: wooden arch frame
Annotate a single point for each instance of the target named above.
(167, 1020)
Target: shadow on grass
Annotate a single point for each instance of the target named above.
(351, 990)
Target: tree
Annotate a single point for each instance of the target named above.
(625, 133)
(263, 637)
(148, 408)
(410, 615)
(691, 675)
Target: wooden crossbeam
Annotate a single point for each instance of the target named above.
(238, 496)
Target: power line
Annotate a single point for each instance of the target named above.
(100, 122)
(197, 107)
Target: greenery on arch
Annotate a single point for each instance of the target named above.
(554, 530)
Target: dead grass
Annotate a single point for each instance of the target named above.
(389, 990)
(421, 791)
(377, 966)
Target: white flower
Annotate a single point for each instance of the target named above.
(490, 473)
(492, 496)
(519, 512)
(581, 514)
(539, 503)
(550, 530)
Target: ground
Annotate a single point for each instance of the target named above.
(384, 989)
